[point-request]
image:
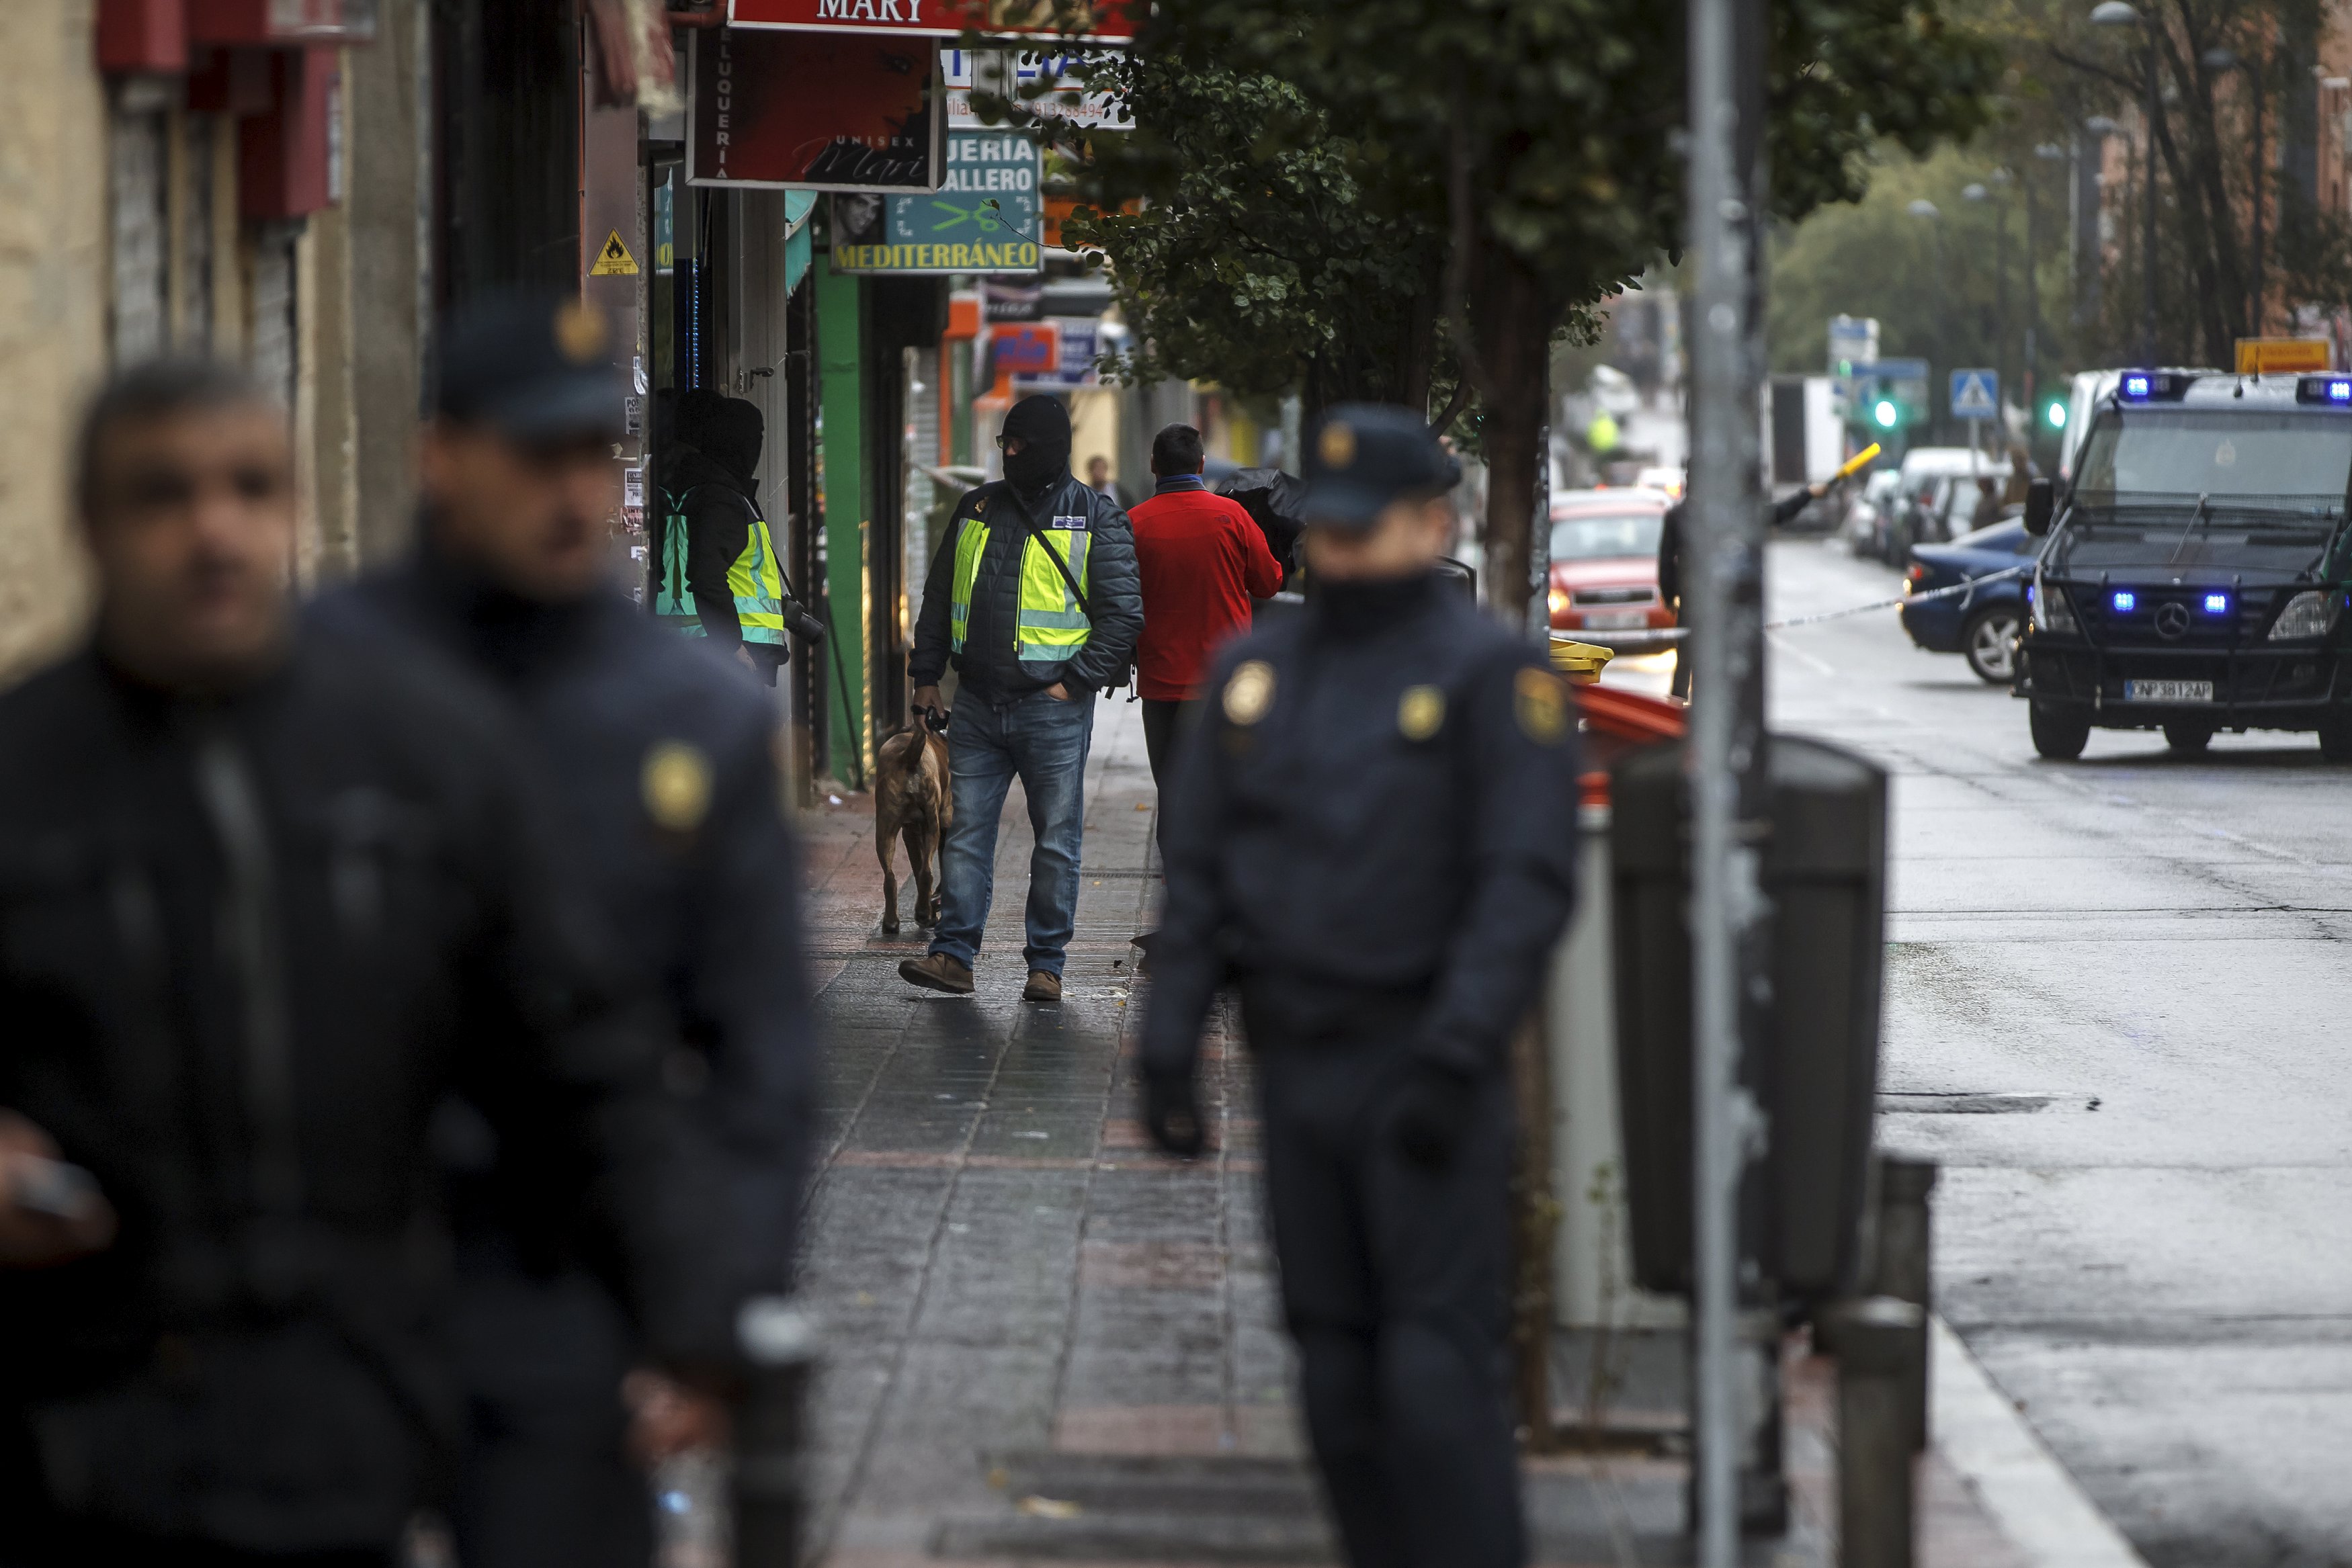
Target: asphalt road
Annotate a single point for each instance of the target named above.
(2117, 1005)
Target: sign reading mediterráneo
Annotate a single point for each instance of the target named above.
(986, 216)
(1012, 256)
(1091, 21)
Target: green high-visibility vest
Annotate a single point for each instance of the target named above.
(755, 579)
(1049, 628)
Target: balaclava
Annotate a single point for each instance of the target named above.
(1044, 426)
(731, 434)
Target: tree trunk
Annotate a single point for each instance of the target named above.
(1514, 320)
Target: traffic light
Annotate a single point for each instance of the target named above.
(1885, 409)
(2053, 414)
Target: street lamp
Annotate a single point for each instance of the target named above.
(2117, 13)
(1975, 192)
(2047, 153)
(1927, 213)
(2221, 59)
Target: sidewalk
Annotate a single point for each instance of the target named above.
(1048, 1345)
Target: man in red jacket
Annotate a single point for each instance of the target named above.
(1201, 559)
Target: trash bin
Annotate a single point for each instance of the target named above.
(1592, 1282)
(1824, 872)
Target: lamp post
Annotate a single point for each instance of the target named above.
(1985, 192)
(1927, 213)
(2219, 60)
(2118, 13)
(2048, 153)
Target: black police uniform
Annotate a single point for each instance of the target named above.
(248, 948)
(659, 763)
(658, 759)
(1372, 832)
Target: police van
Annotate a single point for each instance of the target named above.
(2195, 575)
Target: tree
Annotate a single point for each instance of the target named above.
(1411, 198)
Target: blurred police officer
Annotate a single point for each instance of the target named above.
(1373, 831)
(659, 754)
(266, 901)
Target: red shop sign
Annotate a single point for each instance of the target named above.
(1088, 21)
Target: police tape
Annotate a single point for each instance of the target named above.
(1969, 586)
(1677, 633)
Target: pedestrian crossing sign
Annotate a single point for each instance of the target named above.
(1976, 394)
(613, 260)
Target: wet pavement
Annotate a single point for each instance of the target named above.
(1046, 1343)
(2116, 996)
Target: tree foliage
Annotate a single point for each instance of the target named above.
(1361, 198)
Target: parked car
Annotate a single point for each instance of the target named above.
(1604, 567)
(1870, 517)
(1928, 508)
(1980, 624)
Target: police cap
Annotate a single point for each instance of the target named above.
(1363, 456)
(539, 368)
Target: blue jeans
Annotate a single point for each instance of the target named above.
(1043, 742)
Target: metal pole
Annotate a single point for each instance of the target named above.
(2147, 234)
(1880, 1343)
(1725, 751)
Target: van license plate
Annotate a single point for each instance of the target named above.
(2168, 691)
(1616, 620)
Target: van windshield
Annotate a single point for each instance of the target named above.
(2191, 453)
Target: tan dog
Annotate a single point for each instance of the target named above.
(911, 801)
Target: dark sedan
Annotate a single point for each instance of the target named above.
(1981, 623)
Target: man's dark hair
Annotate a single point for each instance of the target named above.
(1177, 449)
(149, 391)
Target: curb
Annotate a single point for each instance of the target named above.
(2029, 1495)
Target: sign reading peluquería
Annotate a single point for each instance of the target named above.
(988, 215)
(1087, 21)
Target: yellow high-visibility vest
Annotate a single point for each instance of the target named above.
(1049, 628)
(755, 580)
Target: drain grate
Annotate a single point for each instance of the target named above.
(1899, 1102)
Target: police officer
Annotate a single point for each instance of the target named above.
(1372, 831)
(1674, 567)
(659, 758)
(267, 901)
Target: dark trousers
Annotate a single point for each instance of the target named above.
(1165, 725)
(543, 1482)
(1394, 1284)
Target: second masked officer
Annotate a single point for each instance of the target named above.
(1374, 829)
(660, 760)
(1033, 597)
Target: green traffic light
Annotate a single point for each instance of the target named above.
(2057, 416)
(1885, 414)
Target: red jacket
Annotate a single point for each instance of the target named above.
(1201, 559)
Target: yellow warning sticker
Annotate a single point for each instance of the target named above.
(613, 260)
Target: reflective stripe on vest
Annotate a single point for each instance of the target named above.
(673, 605)
(757, 584)
(1048, 628)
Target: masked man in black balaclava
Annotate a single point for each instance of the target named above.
(742, 600)
(1033, 597)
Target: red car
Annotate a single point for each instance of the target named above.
(1605, 568)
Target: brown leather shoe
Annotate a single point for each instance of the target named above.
(1042, 987)
(938, 972)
